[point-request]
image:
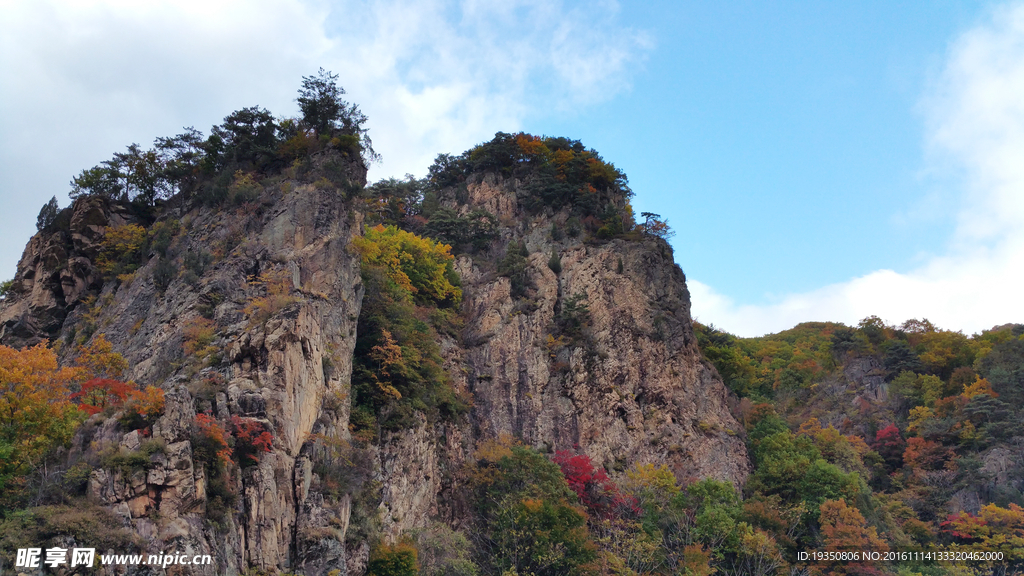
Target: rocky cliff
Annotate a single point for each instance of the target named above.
(258, 322)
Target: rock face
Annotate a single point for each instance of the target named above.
(631, 388)
(56, 272)
(285, 257)
(269, 322)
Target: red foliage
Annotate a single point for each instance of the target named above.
(100, 393)
(595, 489)
(251, 439)
(926, 455)
(963, 525)
(214, 435)
(890, 446)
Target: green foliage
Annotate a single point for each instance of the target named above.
(527, 514)
(556, 173)
(244, 188)
(246, 140)
(573, 317)
(474, 230)
(211, 450)
(515, 266)
(250, 140)
(653, 225)
(555, 262)
(395, 202)
(397, 560)
(444, 552)
(88, 524)
(133, 175)
(327, 114)
(948, 403)
(6, 288)
(792, 467)
(195, 263)
(164, 272)
(398, 367)
(47, 214)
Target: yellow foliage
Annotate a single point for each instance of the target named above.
(35, 411)
(417, 265)
(199, 335)
(120, 244)
(387, 355)
(495, 449)
(917, 417)
(625, 548)
(100, 360)
(649, 476)
(488, 453)
(980, 386)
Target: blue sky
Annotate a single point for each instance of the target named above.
(819, 161)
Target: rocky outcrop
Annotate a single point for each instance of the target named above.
(279, 292)
(631, 388)
(267, 307)
(56, 272)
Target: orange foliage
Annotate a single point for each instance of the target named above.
(697, 560)
(251, 439)
(35, 410)
(530, 145)
(922, 454)
(845, 529)
(216, 435)
(387, 355)
(147, 403)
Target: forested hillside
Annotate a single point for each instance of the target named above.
(901, 437)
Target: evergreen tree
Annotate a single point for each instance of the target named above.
(47, 214)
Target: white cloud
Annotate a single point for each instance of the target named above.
(80, 80)
(974, 124)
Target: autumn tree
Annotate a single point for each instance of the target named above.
(890, 446)
(844, 529)
(393, 560)
(654, 225)
(592, 486)
(36, 412)
(993, 528)
(418, 265)
(398, 368)
(252, 438)
(527, 515)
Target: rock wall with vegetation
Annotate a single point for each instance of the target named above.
(231, 345)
